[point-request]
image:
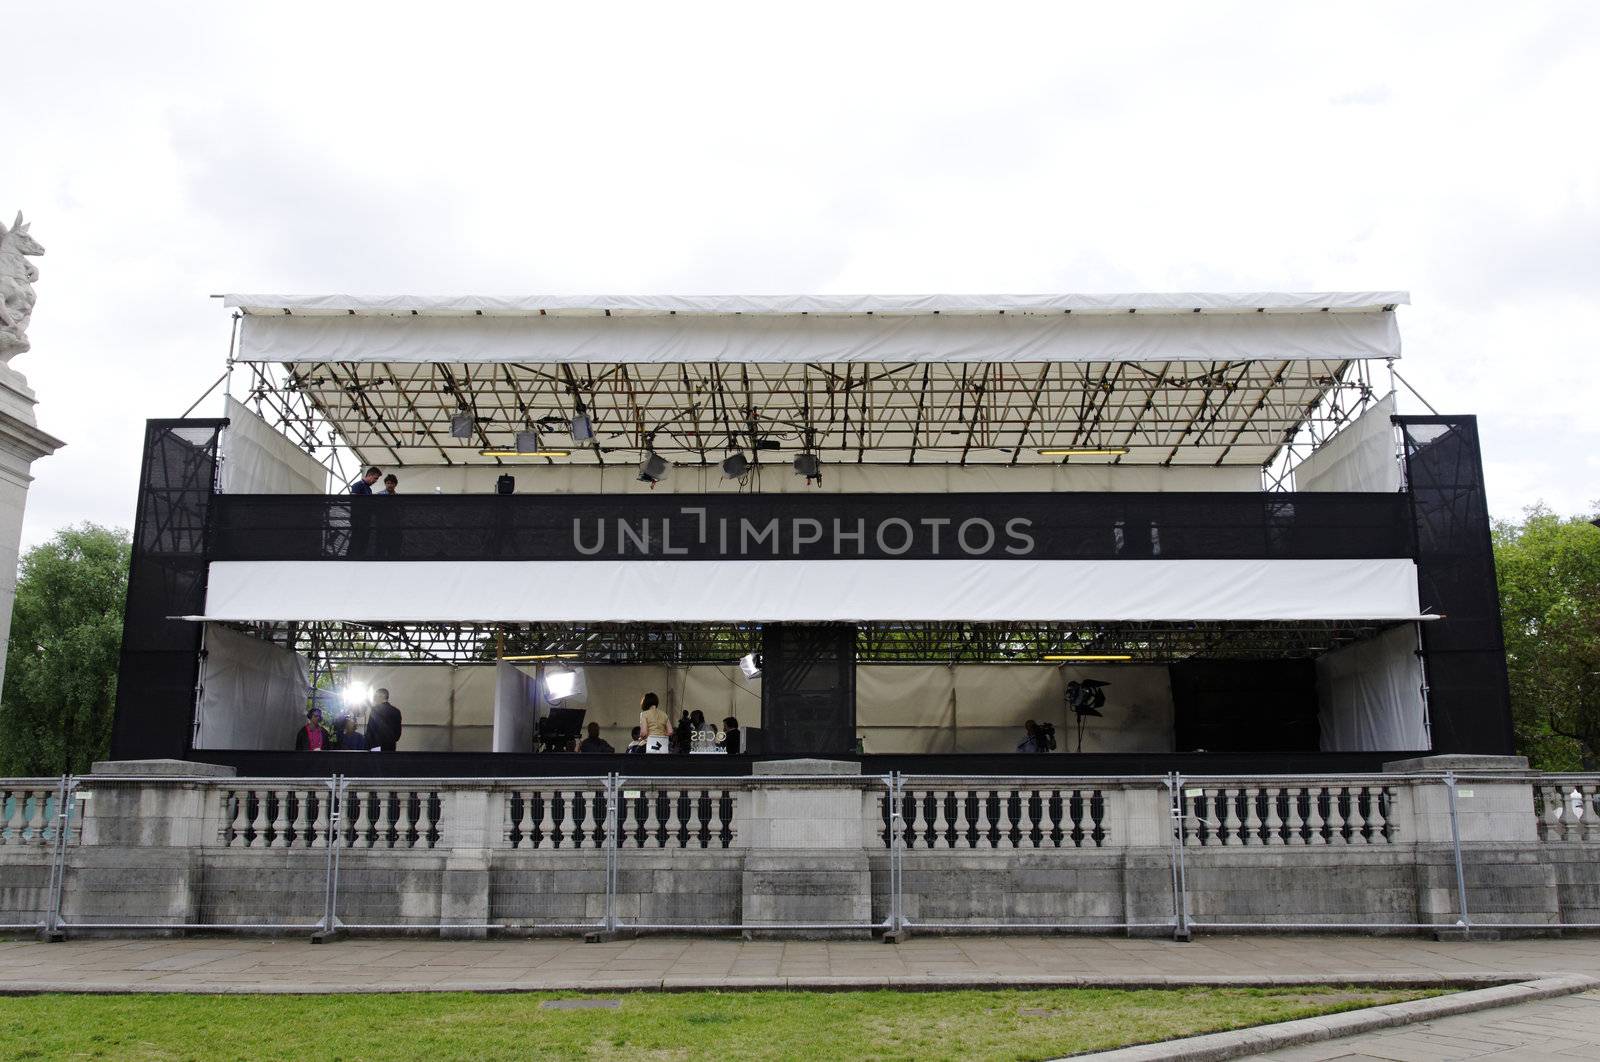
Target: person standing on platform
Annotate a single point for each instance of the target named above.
(654, 725)
(368, 478)
(383, 724)
(391, 486)
(682, 734)
(1034, 742)
(732, 740)
(313, 737)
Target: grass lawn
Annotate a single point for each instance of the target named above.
(688, 1025)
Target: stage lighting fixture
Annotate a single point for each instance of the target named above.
(582, 428)
(734, 466)
(357, 695)
(769, 444)
(1094, 658)
(505, 485)
(461, 425)
(559, 684)
(654, 468)
(524, 453)
(750, 665)
(528, 442)
(1068, 451)
(1085, 698)
(808, 465)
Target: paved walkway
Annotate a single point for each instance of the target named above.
(1555, 1030)
(233, 964)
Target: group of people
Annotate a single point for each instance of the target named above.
(384, 724)
(368, 483)
(656, 732)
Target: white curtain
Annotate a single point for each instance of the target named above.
(1360, 458)
(1369, 695)
(254, 693)
(259, 459)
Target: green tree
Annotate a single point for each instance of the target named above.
(1548, 569)
(61, 664)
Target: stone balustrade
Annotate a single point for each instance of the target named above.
(819, 850)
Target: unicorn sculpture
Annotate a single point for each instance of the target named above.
(17, 275)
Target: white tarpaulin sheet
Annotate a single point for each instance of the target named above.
(821, 305)
(1360, 458)
(1369, 695)
(259, 459)
(516, 707)
(812, 591)
(818, 340)
(254, 693)
(442, 708)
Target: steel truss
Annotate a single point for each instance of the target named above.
(329, 644)
(1260, 412)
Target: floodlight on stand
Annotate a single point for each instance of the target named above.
(560, 683)
(735, 465)
(1085, 698)
(461, 425)
(750, 664)
(654, 468)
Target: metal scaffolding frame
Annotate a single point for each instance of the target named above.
(1263, 413)
(329, 644)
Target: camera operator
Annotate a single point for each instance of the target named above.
(1039, 739)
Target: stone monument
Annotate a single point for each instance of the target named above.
(21, 441)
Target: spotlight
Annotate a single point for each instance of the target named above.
(654, 468)
(1071, 451)
(461, 425)
(750, 665)
(809, 466)
(560, 684)
(528, 442)
(734, 466)
(357, 695)
(582, 428)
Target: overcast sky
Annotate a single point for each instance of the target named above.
(169, 151)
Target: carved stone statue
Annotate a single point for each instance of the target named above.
(17, 275)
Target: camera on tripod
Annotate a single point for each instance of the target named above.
(1045, 735)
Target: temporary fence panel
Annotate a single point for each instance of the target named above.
(555, 838)
(749, 854)
(1032, 853)
(248, 854)
(31, 811)
(394, 841)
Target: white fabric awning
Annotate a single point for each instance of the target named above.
(820, 329)
(812, 591)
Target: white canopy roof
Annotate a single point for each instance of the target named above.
(818, 329)
(778, 305)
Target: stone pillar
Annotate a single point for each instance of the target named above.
(1508, 881)
(21, 444)
(470, 818)
(806, 863)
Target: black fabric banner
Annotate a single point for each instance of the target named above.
(1041, 526)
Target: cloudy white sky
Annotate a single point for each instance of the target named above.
(170, 151)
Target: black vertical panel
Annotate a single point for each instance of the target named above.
(808, 689)
(1469, 698)
(166, 578)
(1244, 705)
